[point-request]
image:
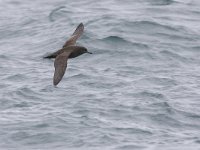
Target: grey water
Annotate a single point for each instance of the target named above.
(140, 90)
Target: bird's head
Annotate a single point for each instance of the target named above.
(84, 50)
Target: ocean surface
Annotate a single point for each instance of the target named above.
(139, 90)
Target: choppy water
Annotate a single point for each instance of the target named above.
(139, 90)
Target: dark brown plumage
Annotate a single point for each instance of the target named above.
(60, 65)
(75, 51)
(70, 42)
(60, 62)
(77, 33)
(69, 50)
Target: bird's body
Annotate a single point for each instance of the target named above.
(70, 42)
(69, 50)
(75, 51)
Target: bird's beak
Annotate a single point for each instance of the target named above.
(89, 52)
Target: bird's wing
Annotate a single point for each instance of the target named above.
(60, 65)
(77, 33)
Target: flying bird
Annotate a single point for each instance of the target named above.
(69, 50)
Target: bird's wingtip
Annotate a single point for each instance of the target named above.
(55, 84)
(81, 25)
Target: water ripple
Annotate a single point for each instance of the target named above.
(139, 89)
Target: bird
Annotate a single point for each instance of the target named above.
(69, 50)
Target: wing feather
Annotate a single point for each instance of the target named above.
(77, 33)
(60, 65)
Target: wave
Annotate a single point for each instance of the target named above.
(152, 95)
(26, 93)
(166, 120)
(191, 115)
(119, 40)
(162, 2)
(79, 76)
(173, 55)
(54, 11)
(132, 130)
(161, 81)
(175, 37)
(152, 25)
(114, 39)
(16, 77)
(130, 147)
(197, 48)
(4, 57)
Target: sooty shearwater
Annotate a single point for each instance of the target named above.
(69, 50)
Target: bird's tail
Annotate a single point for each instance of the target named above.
(50, 56)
